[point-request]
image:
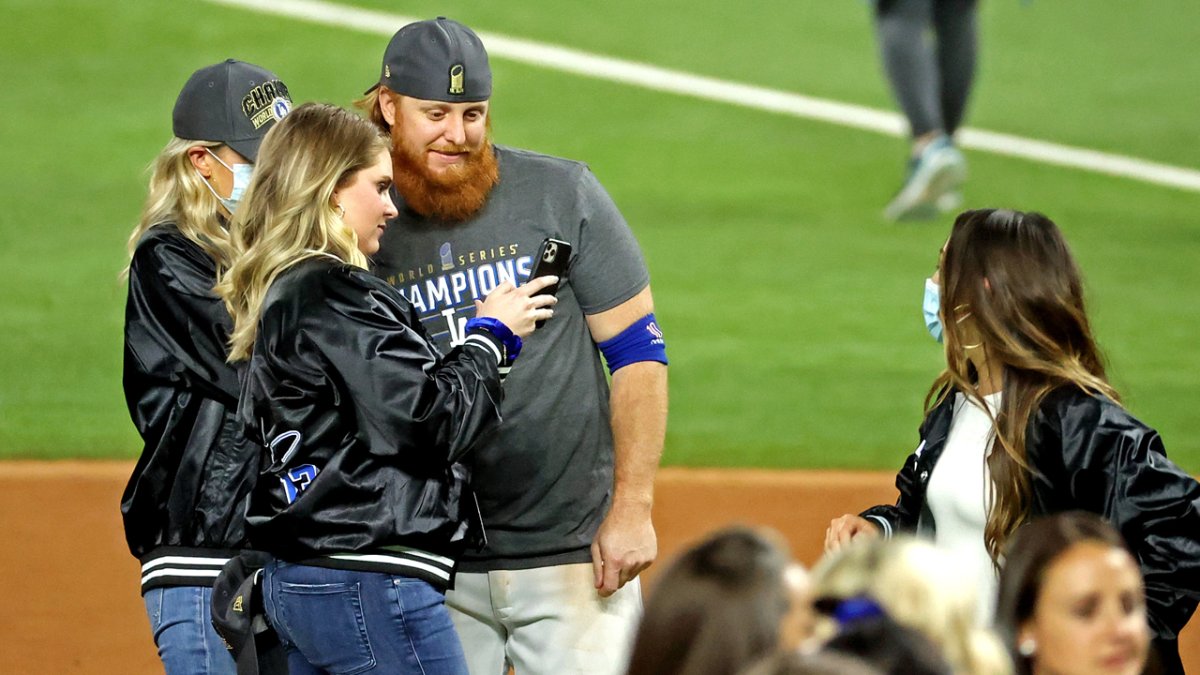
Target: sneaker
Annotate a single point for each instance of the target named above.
(950, 202)
(933, 183)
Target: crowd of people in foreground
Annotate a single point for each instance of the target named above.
(333, 355)
(1071, 600)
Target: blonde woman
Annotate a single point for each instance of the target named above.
(361, 499)
(1023, 422)
(184, 505)
(915, 585)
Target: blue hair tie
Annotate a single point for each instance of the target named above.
(853, 610)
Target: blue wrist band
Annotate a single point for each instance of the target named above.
(642, 341)
(511, 342)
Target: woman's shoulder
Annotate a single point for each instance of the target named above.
(1070, 397)
(1072, 407)
(163, 242)
(165, 256)
(326, 284)
(318, 273)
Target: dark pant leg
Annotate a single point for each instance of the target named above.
(903, 31)
(954, 24)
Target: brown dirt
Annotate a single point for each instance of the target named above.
(69, 596)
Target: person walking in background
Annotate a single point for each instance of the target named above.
(361, 499)
(183, 507)
(928, 51)
(566, 484)
(1071, 599)
(1023, 422)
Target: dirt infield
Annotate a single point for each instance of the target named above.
(69, 598)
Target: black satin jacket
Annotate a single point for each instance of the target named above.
(1089, 453)
(362, 423)
(186, 497)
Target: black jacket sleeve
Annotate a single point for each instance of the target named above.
(1114, 465)
(176, 326)
(408, 402)
(904, 514)
(913, 478)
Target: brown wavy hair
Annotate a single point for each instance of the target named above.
(1015, 275)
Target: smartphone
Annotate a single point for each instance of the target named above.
(552, 258)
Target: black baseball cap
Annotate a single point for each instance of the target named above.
(232, 102)
(437, 60)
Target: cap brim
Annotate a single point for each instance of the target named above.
(373, 88)
(247, 148)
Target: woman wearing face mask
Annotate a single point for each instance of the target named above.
(1071, 599)
(361, 498)
(1024, 422)
(184, 505)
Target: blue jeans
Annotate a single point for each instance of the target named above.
(181, 619)
(343, 622)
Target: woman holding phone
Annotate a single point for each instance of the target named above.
(362, 499)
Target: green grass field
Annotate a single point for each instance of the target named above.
(792, 309)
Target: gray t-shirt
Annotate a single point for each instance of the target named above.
(545, 480)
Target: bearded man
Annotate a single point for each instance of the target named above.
(565, 487)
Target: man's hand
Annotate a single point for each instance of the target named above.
(624, 546)
(842, 530)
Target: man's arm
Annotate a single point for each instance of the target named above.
(626, 544)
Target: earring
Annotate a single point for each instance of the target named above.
(1027, 647)
(965, 313)
(341, 210)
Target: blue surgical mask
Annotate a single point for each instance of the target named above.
(241, 179)
(929, 307)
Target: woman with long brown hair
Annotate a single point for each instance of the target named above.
(1024, 422)
(1071, 599)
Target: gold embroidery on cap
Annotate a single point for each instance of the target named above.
(387, 70)
(456, 78)
(267, 102)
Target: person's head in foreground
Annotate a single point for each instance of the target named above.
(888, 646)
(433, 98)
(320, 188)
(723, 603)
(1071, 600)
(1014, 320)
(917, 586)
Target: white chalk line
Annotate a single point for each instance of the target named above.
(743, 95)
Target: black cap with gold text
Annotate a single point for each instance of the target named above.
(232, 102)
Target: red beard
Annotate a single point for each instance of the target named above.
(453, 195)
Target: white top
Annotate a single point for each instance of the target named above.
(959, 496)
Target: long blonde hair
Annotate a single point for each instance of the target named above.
(287, 214)
(918, 586)
(177, 194)
(1014, 274)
